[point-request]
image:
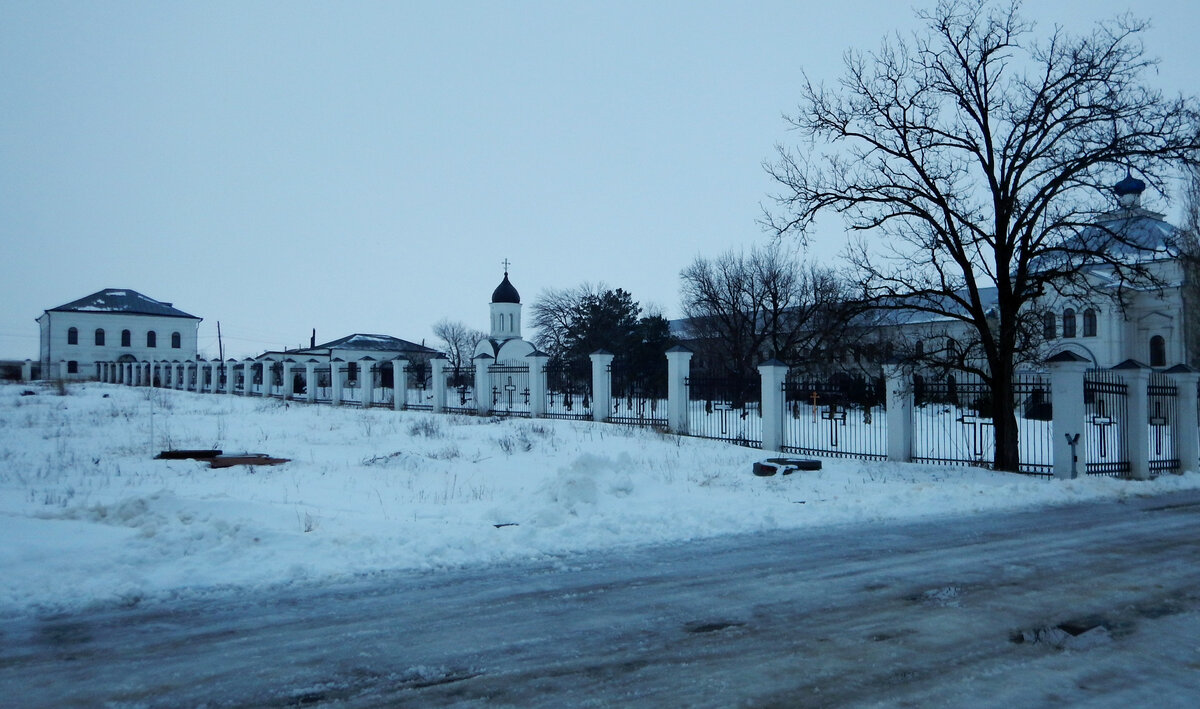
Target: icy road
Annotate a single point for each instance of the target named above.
(1094, 605)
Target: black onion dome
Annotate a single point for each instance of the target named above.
(505, 292)
(1130, 185)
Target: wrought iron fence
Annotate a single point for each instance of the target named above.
(324, 376)
(1106, 397)
(638, 398)
(569, 391)
(460, 389)
(509, 389)
(418, 382)
(952, 421)
(1163, 409)
(726, 408)
(840, 417)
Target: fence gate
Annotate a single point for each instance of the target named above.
(839, 417)
(569, 390)
(638, 398)
(1105, 397)
(727, 408)
(509, 389)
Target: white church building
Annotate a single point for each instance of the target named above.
(112, 325)
(504, 343)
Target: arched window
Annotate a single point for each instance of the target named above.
(951, 348)
(72, 336)
(510, 323)
(1158, 351)
(151, 339)
(1069, 322)
(919, 350)
(100, 337)
(1089, 322)
(126, 338)
(1050, 326)
(176, 341)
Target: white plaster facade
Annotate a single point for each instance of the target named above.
(112, 325)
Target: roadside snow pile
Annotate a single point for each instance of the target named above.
(89, 515)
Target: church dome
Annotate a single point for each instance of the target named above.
(1130, 185)
(505, 292)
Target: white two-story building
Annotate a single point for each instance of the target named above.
(113, 325)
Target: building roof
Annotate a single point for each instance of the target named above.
(122, 300)
(372, 343)
(505, 292)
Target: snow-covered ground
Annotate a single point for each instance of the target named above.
(88, 514)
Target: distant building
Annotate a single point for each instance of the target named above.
(113, 325)
(355, 348)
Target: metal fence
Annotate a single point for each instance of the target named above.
(1163, 404)
(460, 389)
(1106, 398)
(837, 417)
(726, 408)
(569, 390)
(509, 389)
(952, 421)
(418, 383)
(638, 398)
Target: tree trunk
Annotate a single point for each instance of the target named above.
(1004, 419)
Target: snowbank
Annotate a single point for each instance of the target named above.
(89, 516)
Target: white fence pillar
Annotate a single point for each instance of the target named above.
(310, 381)
(437, 371)
(899, 394)
(335, 381)
(537, 383)
(366, 381)
(1183, 429)
(483, 383)
(248, 376)
(773, 373)
(601, 384)
(679, 366)
(289, 381)
(1068, 414)
(1137, 436)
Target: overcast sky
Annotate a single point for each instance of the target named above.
(366, 167)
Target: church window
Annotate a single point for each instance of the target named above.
(1049, 326)
(72, 367)
(1158, 351)
(510, 324)
(100, 337)
(1069, 322)
(1089, 322)
(72, 336)
(151, 339)
(126, 338)
(176, 341)
(919, 350)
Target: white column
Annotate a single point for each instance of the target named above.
(537, 383)
(248, 376)
(1185, 425)
(601, 384)
(899, 413)
(335, 380)
(679, 367)
(1137, 413)
(773, 373)
(437, 371)
(366, 381)
(310, 381)
(483, 383)
(1068, 413)
(289, 383)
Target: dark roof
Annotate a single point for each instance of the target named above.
(122, 300)
(505, 292)
(378, 343)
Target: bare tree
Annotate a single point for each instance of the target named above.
(460, 341)
(744, 307)
(553, 313)
(1189, 248)
(980, 156)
